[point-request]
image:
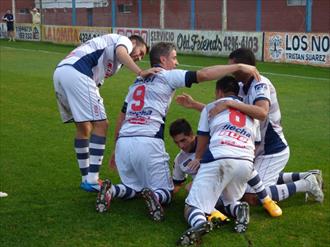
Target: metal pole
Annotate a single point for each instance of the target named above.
(73, 12)
(308, 16)
(258, 16)
(192, 15)
(113, 13)
(161, 16)
(140, 13)
(224, 15)
(13, 9)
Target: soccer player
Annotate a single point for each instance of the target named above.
(140, 154)
(183, 136)
(272, 153)
(224, 159)
(77, 79)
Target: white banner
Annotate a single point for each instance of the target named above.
(302, 48)
(209, 43)
(27, 32)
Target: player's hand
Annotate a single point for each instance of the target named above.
(112, 163)
(219, 107)
(194, 165)
(185, 100)
(148, 72)
(250, 70)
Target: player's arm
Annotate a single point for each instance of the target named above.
(125, 58)
(218, 71)
(187, 101)
(258, 111)
(202, 142)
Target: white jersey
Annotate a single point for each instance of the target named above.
(148, 101)
(96, 58)
(180, 169)
(232, 133)
(272, 137)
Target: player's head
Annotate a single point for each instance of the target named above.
(8, 11)
(226, 86)
(163, 54)
(182, 134)
(140, 48)
(34, 10)
(242, 55)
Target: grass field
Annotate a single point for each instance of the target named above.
(38, 170)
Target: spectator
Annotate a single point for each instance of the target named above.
(9, 19)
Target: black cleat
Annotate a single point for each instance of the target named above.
(194, 234)
(104, 197)
(242, 218)
(155, 209)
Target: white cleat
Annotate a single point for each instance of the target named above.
(315, 187)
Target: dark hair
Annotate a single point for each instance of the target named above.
(180, 126)
(158, 50)
(243, 55)
(228, 84)
(139, 41)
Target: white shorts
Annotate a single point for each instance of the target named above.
(143, 162)
(226, 177)
(78, 97)
(269, 167)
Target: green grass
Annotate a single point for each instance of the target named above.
(45, 206)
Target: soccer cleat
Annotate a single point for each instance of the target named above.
(194, 234)
(218, 219)
(104, 197)
(271, 207)
(91, 187)
(315, 190)
(155, 209)
(318, 175)
(242, 217)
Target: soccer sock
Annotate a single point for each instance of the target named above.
(282, 191)
(96, 151)
(256, 183)
(195, 216)
(163, 196)
(287, 177)
(122, 191)
(231, 209)
(82, 151)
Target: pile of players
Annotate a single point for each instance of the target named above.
(237, 157)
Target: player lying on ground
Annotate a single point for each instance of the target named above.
(224, 159)
(140, 154)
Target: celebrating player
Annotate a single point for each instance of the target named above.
(140, 154)
(77, 79)
(224, 159)
(272, 153)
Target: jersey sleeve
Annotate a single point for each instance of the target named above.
(178, 175)
(178, 78)
(203, 125)
(261, 91)
(126, 42)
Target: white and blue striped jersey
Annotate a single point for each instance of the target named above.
(180, 169)
(272, 137)
(97, 57)
(232, 133)
(148, 101)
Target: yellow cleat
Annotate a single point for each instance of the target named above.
(271, 207)
(218, 219)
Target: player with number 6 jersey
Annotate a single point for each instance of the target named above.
(140, 155)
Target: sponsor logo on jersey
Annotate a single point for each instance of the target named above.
(260, 88)
(236, 133)
(109, 71)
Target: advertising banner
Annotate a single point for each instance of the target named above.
(209, 43)
(3, 30)
(70, 34)
(301, 48)
(27, 31)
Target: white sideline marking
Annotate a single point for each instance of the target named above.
(192, 66)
